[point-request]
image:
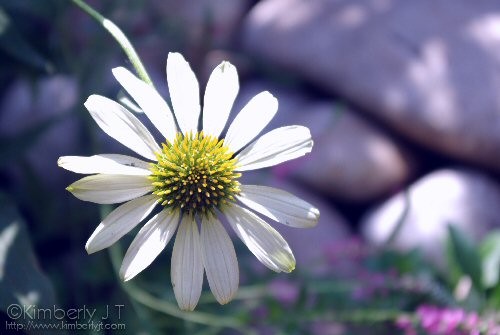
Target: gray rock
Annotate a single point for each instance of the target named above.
(352, 159)
(203, 21)
(430, 69)
(464, 198)
(26, 107)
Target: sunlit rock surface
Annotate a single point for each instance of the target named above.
(429, 69)
(465, 198)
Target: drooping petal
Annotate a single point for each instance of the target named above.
(219, 259)
(222, 89)
(264, 241)
(120, 221)
(275, 147)
(251, 120)
(121, 125)
(150, 101)
(184, 92)
(110, 189)
(149, 243)
(106, 164)
(279, 205)
(187, 265)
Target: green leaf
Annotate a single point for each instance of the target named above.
(490, 255)
(494, 298)
(13, 43)
(22, 283)
(465, 255)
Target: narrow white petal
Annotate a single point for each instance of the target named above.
(187, 265)
(222, 89)
(120, 221)
(149, 243)
(106, 163)
(151, 102)
(264, 241)
(275, 147)
(121, 125)
(219, 259)
(184, 92)
(279, 205)
(251, 120)
(109, 188)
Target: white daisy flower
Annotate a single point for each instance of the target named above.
(193, 177)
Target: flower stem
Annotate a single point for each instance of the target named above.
(120, 37)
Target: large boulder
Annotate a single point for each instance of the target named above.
(464, 198)
(430, 69)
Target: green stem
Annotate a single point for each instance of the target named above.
(120, 37)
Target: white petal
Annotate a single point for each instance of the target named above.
(106, 164)
(109, 188)
(279, 205)
(251, 120)
(149, 243)
(187, 266)
(277, 146)
(120, 221)
(264, 241)
(222, 89)
(184, 92)
(149, 100)
(120, 124)
(219, 259)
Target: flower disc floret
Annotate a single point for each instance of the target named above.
(195, 173)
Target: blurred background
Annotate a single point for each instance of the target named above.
(402, 99)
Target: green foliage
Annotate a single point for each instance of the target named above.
(490, 255)
(465, 254)
(21, 280)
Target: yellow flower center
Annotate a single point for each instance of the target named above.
(195, 174)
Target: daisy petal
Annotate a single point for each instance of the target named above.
(251, 120)
(264, 241)
(120, 221)
(121, 125)
(149, 100)
(106, 164)
(279, 205)
(187, 266)
(184, 92)
(222, 89)
(110, 189)
(275, 147)
(149, 243)
(219, 259)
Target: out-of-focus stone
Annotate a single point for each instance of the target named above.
(430, 69)
(464, 198)
(26, 107)
(352, 159)
(205, 21)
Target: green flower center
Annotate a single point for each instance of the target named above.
(195, 174)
